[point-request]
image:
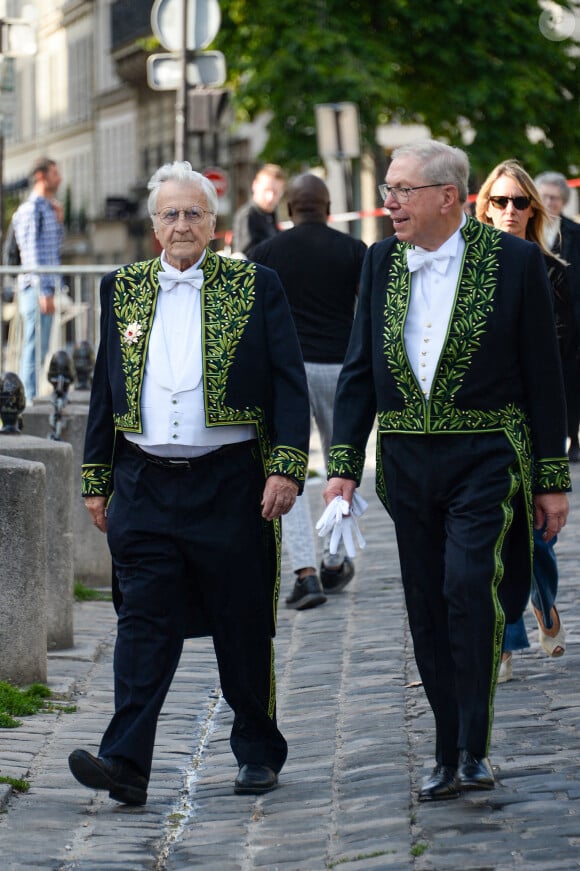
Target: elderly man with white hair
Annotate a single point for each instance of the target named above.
(196, 444)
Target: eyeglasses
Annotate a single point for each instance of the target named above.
(520, 203)
(194, 215)
(402, 195)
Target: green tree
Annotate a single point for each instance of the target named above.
(454, 65)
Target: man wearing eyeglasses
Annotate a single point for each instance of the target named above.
(454, 349)
(196, 444)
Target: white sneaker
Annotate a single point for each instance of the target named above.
(505, 669)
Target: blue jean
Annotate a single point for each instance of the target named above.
(543, 594)
(31, 342)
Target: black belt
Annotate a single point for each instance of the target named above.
(185, 464)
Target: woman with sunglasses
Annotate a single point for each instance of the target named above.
(509, 200)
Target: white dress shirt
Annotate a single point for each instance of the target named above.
(172, 399)
(433, 289)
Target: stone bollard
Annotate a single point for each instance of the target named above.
(57, 458)
(91, 556)
(23, 623)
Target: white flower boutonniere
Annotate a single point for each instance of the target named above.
(132, 333)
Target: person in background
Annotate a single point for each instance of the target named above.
(453, 348)
(563, 240)
(509, 200)
(257, 219)
(320, 270)
(196, 444)
(38, 228)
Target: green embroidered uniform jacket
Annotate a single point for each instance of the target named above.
(252, 364)
(499, 369)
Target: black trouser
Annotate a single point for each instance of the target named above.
(180, 537)
(451, 499)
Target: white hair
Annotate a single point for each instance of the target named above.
(555, 178)
(180, 171)
(440, 163)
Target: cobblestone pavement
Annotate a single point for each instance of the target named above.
(360, 736)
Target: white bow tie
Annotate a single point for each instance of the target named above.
(169, 280)
(417, 259)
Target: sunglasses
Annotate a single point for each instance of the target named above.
(520, 203)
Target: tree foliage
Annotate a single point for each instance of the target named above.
(454, 65)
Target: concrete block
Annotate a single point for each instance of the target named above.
(57, 458)
(23, 621)
(91, 556)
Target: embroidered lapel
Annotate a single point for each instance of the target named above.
(134, 300)
(473, 303)
(228, 295)
(472, 307)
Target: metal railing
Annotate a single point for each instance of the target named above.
(76, 317)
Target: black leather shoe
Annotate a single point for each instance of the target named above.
(335, 580)
(116, 775)
(574, 453)
(440, 785)
(474, 772)
(255, 779)
(307, 593)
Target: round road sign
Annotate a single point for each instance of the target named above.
(203, 23)
(218, 178)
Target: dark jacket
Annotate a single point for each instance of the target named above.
(253, 370)
(499, 368)
(568, 247)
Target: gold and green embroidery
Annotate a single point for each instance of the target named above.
(551, 474)
(397, 296)
(508, 515)
(96, 480)
(228, 297)
(134, 300)
(346, 461)
(285, 460)
(473, 306)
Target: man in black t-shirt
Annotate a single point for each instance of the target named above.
(319, 268)
(257, 219)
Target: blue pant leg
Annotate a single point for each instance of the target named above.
(45, 328)
(516, 637)
(545, 577)
(28, 308)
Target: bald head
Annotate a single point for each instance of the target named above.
(308, 199)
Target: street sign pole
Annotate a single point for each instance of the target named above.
(181, 96)
(184, 27)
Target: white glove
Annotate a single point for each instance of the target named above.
(340, 520)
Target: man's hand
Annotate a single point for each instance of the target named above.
(95, 505)
(46, 304)
(551, 511)
(344, 487)
(279, 496)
